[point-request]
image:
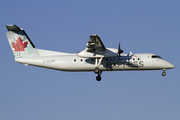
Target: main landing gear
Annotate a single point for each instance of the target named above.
(163, 73)
(96, 70)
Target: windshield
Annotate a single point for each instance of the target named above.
(156, 56)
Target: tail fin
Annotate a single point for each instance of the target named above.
(20, 43)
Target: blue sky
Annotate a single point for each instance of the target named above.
(32, 93)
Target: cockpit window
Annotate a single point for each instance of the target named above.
(156, 56)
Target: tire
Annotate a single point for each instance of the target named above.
(164, 73)
(98, 78)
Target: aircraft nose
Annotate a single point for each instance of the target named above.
(170, 65)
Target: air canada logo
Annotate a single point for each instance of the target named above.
(19, 46)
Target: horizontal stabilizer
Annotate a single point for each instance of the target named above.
(12, 28)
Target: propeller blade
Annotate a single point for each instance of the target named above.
(119, 50)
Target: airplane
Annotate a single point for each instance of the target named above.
(96, 57)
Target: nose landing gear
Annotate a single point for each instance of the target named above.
(163, 73)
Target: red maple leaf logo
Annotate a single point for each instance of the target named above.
(19, 45)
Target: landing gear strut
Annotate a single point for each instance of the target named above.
(163, 73)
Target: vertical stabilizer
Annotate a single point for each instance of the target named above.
(20, 43)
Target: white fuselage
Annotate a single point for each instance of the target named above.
(71, 62)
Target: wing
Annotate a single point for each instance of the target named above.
(95, 44)
(96, 49)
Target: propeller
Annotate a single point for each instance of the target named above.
(119, 50)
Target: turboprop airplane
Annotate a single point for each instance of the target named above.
(96, 57)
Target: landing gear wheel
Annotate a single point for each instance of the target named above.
(96, 70)
(163, 73)
(98, 78)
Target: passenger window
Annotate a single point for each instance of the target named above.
(74, 60)
(133, 58)
(138, 58)
(81, 60)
